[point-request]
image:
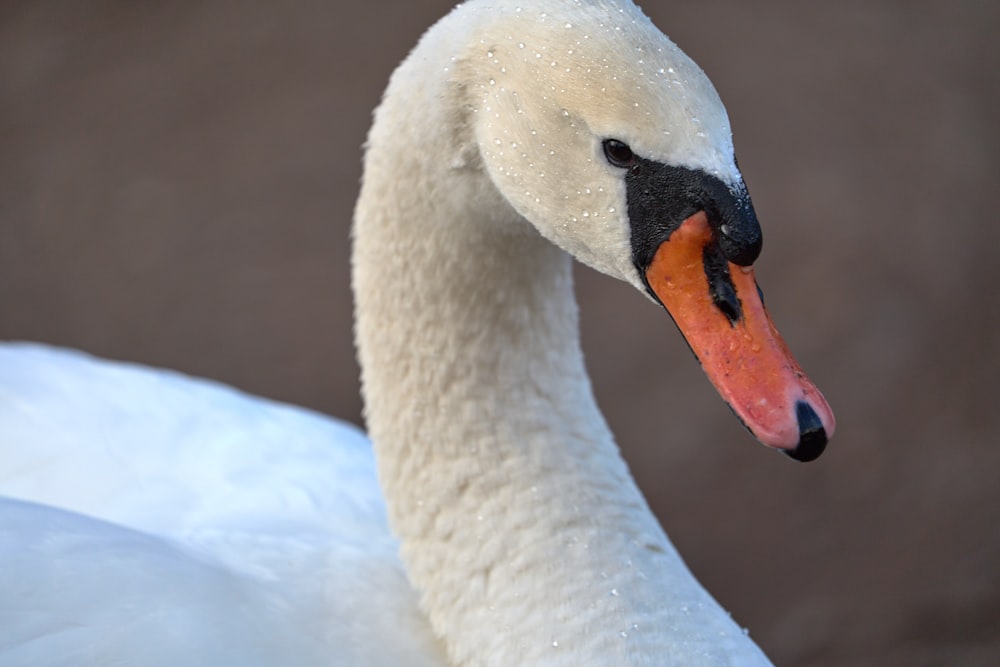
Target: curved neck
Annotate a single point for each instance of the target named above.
(521, 527)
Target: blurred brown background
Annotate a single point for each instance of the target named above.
(176, 186)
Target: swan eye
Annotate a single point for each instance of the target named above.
(618, 153)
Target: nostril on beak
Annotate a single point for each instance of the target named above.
(812, 435)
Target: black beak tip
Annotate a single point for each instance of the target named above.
(812, 435)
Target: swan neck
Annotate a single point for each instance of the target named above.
(520, 526)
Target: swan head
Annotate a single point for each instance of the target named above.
(614, 144)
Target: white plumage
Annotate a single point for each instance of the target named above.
(201, 526)
(147, 518)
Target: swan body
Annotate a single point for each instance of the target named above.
(148, 518)
(155, 519)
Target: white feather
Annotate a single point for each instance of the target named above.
(203, 526)
(154, 519)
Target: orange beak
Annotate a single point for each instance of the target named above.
(737, 344)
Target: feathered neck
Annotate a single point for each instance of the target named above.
(521, 527)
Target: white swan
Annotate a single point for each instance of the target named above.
(152, 519)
